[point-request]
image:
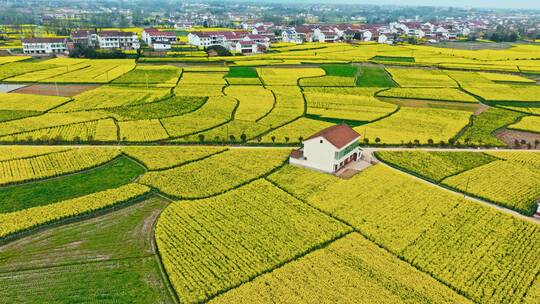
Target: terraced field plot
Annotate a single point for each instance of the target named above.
(508, 179)
(272, 105)
(234, 223)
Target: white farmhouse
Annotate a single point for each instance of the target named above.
(538, 210)
(154, 36)
(44, 45)
(118, 40)
(328, 150)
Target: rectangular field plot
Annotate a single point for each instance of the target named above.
(174, 106)
(113, 96)
(147, 130)
(151, 75)
(18, 102)
(156, 158)
(444, 94)
(435, 165)
(410, 124)
(506, 78)
(202, 78)
(97, 71)
(374, 77)
(103, 130)
(347, 107)
(55, 163)
(237, 236)
(295, 131)
(22, 220)
(216, 174)
(470, 247)
(199, 90)
(508, 183)
(406, 77)
(286, 76)
(505, 93)
(529, 123)
(110, 260)
(327, 275)
(67, 90)
(328, 81)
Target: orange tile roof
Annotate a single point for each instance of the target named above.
(338, 135)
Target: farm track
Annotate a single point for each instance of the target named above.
(472, 198)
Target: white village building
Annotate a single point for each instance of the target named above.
(118, 40)
(328, 150)
(159, 40)
(44, 45)
(538, 210)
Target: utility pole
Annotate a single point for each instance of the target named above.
(467, 187)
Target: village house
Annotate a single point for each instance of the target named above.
(328, 150)
(224, 38)
(240, 41)
(44, 46)
(538, 210)
(85, 37)
(118, 40)
(159, 40)
(325, 35)
(290, 35)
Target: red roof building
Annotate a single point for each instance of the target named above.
(329, 149)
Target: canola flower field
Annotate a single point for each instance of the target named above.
(178, 175)
(272, 104)
(239, 228)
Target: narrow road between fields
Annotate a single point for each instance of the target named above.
(489, 204)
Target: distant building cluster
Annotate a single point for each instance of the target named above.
(106, 39)
(255, 37)
(240, 41)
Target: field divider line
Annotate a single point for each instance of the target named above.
(246, 182)
(177, 165)
(375, 242)
(61, 175)
(311, 206)
(466, 195)
(157, 255)
(298, 256)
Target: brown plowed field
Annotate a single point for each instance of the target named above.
(67, 90)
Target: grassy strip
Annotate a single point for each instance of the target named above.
(242, 72)
(340, 70)
(114, 174)
(374, 77)
(112, 254)
(393, 58)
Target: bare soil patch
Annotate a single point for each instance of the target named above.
(66, 90)
(510, 136)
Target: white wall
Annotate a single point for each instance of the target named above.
(319, 155)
